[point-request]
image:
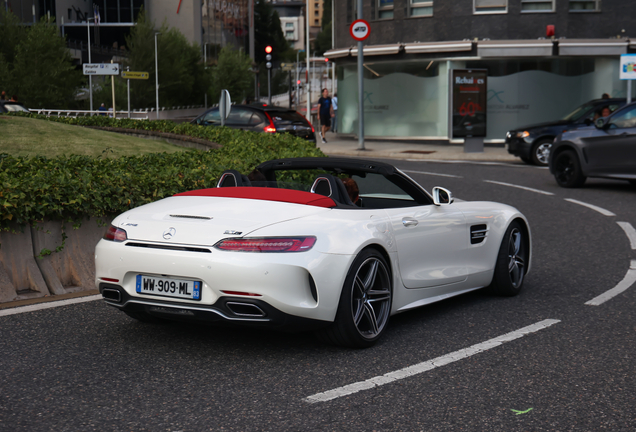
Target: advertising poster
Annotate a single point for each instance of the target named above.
(628, 67)
(469, 89)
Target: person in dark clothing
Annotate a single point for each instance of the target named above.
(325, 113)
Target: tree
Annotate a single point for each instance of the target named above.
(233, 73)
(42, 72)
(268, 31)
(323, 42)
(182, 76)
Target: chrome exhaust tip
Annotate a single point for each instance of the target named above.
(245, 309)
(111, 295)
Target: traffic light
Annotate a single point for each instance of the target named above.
(326, 59)
(268, 57)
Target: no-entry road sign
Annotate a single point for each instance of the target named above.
(101, 69)
(359, 30)
(134, 75)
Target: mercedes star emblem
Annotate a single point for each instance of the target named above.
(169, 233)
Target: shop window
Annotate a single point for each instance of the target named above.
(585, 5)
(537, 5)
(385, 9)
(418, 8)
(490, 6)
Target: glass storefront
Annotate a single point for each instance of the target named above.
(411, 99)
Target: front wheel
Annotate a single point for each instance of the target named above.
(365, 303)
(540, 154)
(512, 261)
(567, 170)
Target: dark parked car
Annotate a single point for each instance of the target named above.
(532, 143)
(9, 106)
(261, 118)
(607, 149)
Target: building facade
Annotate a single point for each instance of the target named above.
(543, 58)
(292, 20)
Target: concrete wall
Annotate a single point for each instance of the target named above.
(187, 21)
(27, 272)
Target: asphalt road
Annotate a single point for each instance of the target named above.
(89, 367)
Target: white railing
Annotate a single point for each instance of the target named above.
(137, 114)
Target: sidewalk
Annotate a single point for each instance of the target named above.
(338, 145)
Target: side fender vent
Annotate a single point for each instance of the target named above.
(478, 233)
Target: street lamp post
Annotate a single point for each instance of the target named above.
(205, 67)
(90, 77)
(157, 75)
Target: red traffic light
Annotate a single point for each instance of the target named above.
(326, 59)
(298, 82)
(268, 49)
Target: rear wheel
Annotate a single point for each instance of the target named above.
(567, 170)
(541, 152)
(512, 259)
(365, 303)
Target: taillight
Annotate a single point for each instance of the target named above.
(271, 128)
(269, 244)
(115, 234)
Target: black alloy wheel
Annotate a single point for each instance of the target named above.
(512, 262)
(365, 303)
(567, 170)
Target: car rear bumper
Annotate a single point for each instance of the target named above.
(227, 309)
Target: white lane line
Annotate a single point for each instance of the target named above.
(519, 187)
(623, 285)
(433, 174)
(601, 210)
(630, 232)
(54, 304)
(472, 162)
(428, 365)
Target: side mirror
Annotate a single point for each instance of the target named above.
(442, 196)
(601, 123)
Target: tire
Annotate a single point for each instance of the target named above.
(365, 303)
(567, 170)
(540, 153)
(144, 317)
(511, 267)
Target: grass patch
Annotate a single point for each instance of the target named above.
(21, 136)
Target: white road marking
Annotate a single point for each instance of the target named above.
(630, 232)
(519, 187)
(623, 285)
(509, 164)
(591, 206)
(54, 304)
(428, 365)
(432, 173)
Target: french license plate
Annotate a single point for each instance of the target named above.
(169, 287)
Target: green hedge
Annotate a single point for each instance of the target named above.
(72, 188)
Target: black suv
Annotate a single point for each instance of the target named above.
(532, 144)
(261, 118)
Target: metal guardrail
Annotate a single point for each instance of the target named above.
(137, 114)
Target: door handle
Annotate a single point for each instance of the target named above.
(409, 222)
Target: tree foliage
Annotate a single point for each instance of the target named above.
(182, 76)
(233, 73)
(323, 40)
(268, 31)
(35, 64)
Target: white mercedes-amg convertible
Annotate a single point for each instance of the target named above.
(332, 245)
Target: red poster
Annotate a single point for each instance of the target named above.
(469, 88)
